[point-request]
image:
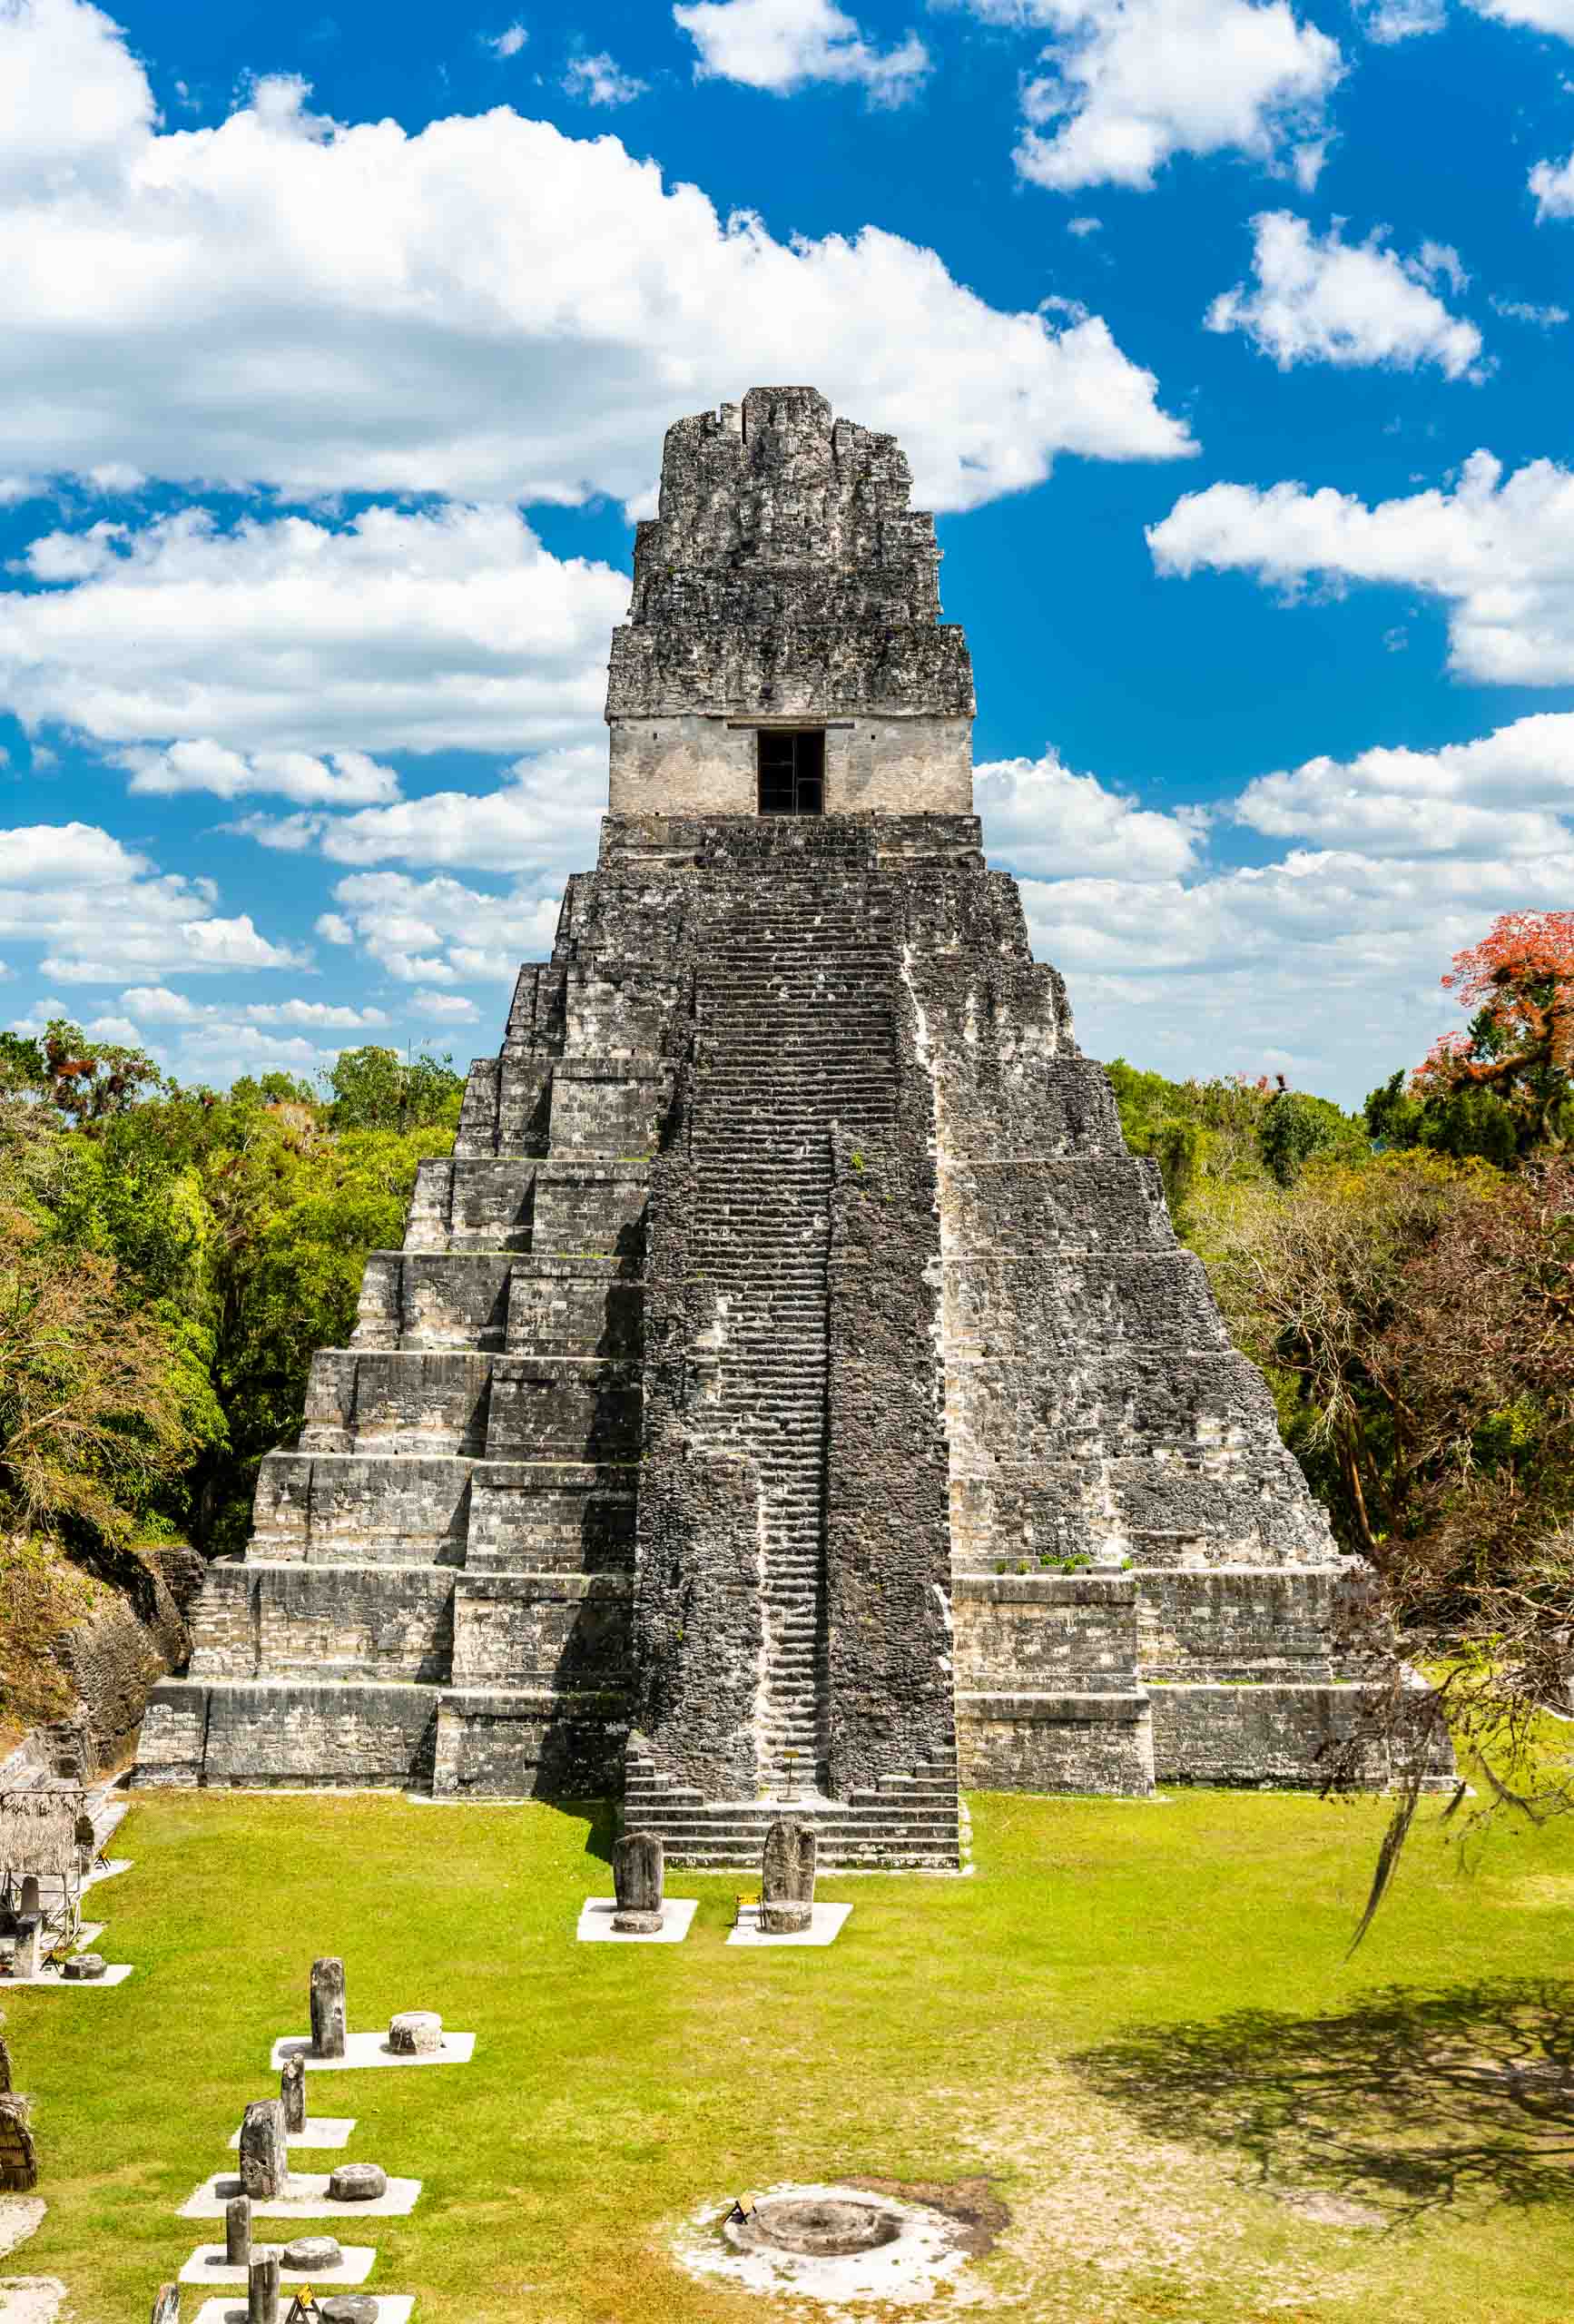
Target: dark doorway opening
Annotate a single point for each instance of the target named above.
(791, 772)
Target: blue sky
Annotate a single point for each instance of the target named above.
(1229, 341)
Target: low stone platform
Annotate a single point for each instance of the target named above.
(595, 1922)
(826, 1924)
(308, 2199)
(208, 2265)
(392, 2308)
(364, 2050)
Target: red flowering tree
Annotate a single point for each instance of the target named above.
(1519, 1047)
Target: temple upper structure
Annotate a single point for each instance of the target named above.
(790, 1387)
(784, 641)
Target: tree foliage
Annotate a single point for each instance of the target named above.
(170, 1259)
(1502, 1088)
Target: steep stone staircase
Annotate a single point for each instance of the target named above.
(907, 1823)
(794, 1034)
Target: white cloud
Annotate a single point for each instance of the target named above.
(452, 1008)
(1130, 83)
(346, 779)
(1555, 16)
(1499, 553)
(783, 44)
(1398, 857)
(1046, 822)
(438, 932)
(1342, 948)
(104, 913)
(75, 106)
(508, 43)
(159, 1005)
(1521, 310)
(486, 310)
(1552, 183)
(260, 645)
(1505, 793)
(1084, 225)
(543, 818)
(601, 80)
(1320, 300)
(1389, 21)
(334, 929)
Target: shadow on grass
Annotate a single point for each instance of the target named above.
(600, 1818)
(1408, 2102)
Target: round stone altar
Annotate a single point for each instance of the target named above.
(827, 2243)
(815, 2227)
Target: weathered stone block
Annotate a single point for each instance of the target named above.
(264, 2154)
(787, 1877)
(327, 1992)
(637, 1875)
(564, 1408)
(541, 1629)
(1101, 1742)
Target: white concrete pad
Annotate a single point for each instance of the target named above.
(824, 1927)
(20, 2217)
(107, 1871)
(308, 2199)
(392, 2308)
(30, 2299)
(371, 2049)
(208, 2265)
(595, 1922)
(322, 2129)
(115, 1974)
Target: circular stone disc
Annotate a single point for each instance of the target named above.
(312, 2252)
(357, 2183)
(348, 2308)
(818, 2227)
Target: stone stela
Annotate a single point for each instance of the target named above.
(791, 1390)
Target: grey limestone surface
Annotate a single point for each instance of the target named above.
(790, 1389)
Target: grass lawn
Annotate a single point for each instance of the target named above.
(1136, 2019)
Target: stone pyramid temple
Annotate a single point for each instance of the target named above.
(790, 1388)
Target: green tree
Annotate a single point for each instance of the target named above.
(376, 1089)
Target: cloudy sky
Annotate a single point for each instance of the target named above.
(1230, 340)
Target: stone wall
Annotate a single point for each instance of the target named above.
(787, 580)
(889, 766)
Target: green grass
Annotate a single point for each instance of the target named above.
(1136, 2018)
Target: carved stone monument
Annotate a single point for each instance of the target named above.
(293, 2092)
(263, 2288)
(328, 2007)
(238, 2231)
(264, 2151)
(787, 1877)
(638, 1875)
(789, 1388)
